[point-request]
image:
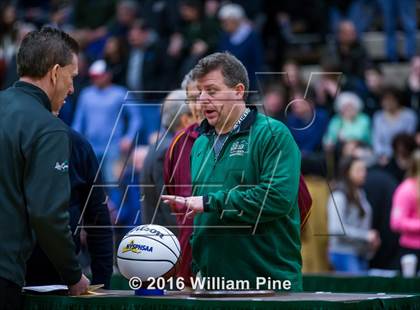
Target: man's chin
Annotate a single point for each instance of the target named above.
(212, 121)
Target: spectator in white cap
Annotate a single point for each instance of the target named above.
(240, 39)
(231, 15)
(349, 124)
(98, 112)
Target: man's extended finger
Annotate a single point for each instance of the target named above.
(168, 198)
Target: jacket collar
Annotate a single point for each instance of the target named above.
(34, 91)
(206, 128)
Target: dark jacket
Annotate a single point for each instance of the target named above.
(380, 187)
(154, 79)
(249, 52)
(87, 208)
(152, 185)
(34, 184)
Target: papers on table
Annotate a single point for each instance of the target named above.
(45, 288)
(57, 288)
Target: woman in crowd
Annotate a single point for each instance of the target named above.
(352, 241)
(405, 215)
(349, 123)
(391, 120)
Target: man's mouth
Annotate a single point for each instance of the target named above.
(210, 113)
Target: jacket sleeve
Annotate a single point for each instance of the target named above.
(47, 194)
(98, 222)
(134, 121)
(167, 170)
(276, 192)
(337, 204)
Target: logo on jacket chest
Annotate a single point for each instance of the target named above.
(239, 148)
(62, 167)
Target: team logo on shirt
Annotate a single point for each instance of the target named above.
(63, 167)
(239, 148)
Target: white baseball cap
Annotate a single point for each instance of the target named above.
(232, 11)
(98, 67)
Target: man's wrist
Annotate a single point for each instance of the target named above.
(72, 278)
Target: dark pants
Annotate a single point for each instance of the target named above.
(10, 295)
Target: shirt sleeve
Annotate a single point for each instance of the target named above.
(402, 220)
(367, 132)
(47, 194)
(411, 121)
(337, 226)
(331, 135)
(134, 121)
(378, 144)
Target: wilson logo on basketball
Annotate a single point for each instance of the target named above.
(136, 248)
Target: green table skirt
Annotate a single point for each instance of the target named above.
(355, 284)
(131, 303)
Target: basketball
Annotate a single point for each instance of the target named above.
(148, 251)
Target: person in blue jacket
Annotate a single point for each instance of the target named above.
(87, 203)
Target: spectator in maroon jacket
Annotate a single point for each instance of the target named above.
(177, 176)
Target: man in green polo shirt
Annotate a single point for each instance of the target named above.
(245, 171)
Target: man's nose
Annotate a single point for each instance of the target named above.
(203, 97)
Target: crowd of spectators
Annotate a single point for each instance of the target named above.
(357, 134)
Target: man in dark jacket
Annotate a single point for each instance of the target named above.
(146, 64)
(34, 183)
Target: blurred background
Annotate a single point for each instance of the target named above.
(343, 75)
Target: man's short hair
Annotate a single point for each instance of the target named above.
(42, 49)
(232, 69)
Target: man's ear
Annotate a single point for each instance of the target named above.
(240, 90)
(54, 74)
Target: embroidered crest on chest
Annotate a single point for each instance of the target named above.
(239, 148)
